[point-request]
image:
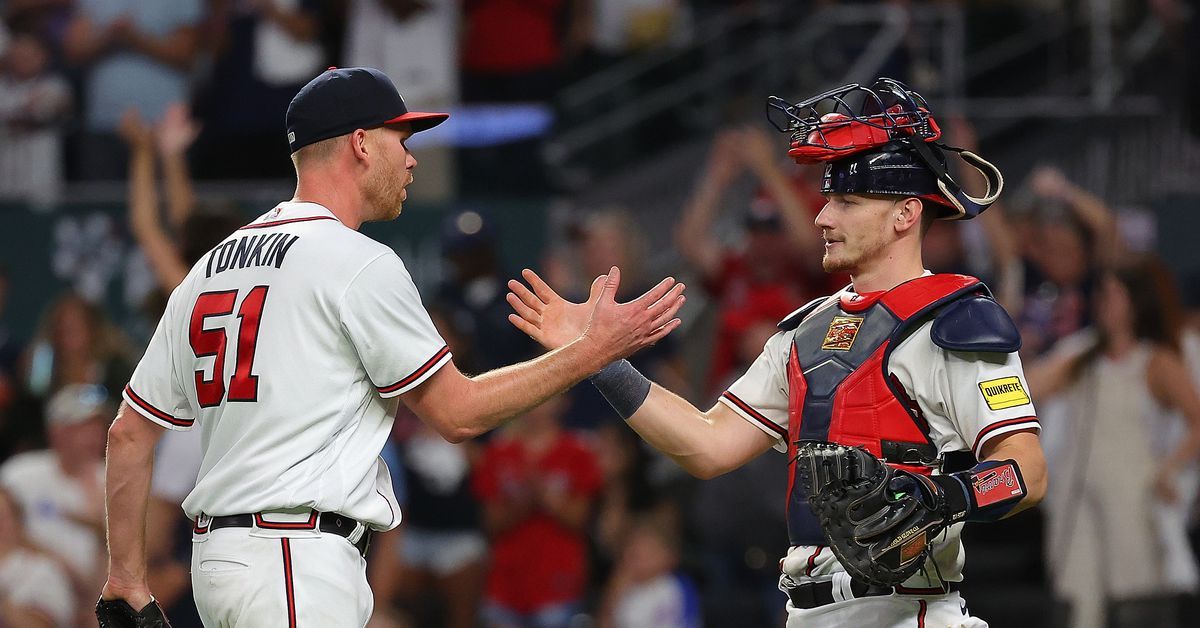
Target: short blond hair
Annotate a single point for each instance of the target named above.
(316, 152)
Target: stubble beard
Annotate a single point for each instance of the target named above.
(834, 264)
(385, 195)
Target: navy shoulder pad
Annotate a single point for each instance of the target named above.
(794, 319)
(975, 323)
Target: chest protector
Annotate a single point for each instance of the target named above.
(839, 387)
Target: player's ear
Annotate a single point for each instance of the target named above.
(908, 213)
(360, 144)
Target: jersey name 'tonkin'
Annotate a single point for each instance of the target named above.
(266, 249)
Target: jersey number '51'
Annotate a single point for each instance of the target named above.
(243, 386)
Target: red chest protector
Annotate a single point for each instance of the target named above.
(838, 382)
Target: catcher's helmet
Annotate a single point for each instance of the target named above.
(880, 140)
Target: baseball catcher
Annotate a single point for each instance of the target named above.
(900, 400)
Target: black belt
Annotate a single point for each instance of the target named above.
(814, 594)
(329, 522)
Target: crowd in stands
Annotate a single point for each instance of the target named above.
(562, 514)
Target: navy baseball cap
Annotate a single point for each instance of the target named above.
(341, 100)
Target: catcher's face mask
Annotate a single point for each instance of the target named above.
(847, 126)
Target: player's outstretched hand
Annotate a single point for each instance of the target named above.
(543, 315)
(620, 328)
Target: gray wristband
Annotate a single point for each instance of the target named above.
(623, 387)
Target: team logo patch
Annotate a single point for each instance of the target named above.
(1005, 392)
(841, 334)
(996, 485)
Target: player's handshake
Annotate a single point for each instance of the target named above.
(615, 329)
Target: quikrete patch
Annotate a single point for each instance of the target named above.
(1005, 392)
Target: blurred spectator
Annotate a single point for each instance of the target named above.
(471, 300)
(133, 53)
(513, 50)
(9, 353)
(778, 267)
(198, 229)
(34, 590)
(740, 529)
(537, 484)
(1072, 234)
(602, 240)
(61, 490)
(646, 589)
(627, 495)
(442, 551)
(75, 344)
(622, 27)
(264, 51)
(1117, 545)
(34, 103)
(46, 19)
(415, 42)
(412, 41)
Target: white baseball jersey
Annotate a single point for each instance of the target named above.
(288, 344)
(967, 398)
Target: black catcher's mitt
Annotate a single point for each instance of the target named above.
(119, 614)
(879, 521)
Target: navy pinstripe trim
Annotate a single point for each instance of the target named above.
(755, 414)
(986, 432)
(145, 405)
(417, 374)
(263, 225)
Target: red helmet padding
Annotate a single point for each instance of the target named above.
(839, 136)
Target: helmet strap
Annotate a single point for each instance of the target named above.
(968, 206)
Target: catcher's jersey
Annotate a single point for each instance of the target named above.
(967, 398)
(287, 345)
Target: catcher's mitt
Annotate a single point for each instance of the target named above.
(879, 521)
(119, 614)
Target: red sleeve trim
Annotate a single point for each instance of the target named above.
(145, 405)
(988, 431)
(417, 374)
(812, 561)
(755, 414)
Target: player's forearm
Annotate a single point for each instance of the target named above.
(682, 432)
(495, 397)
(1026, 451)
(129, 462)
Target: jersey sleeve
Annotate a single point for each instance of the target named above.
(390, 329)
(982, 395)
(760, 395)
(156, 390)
